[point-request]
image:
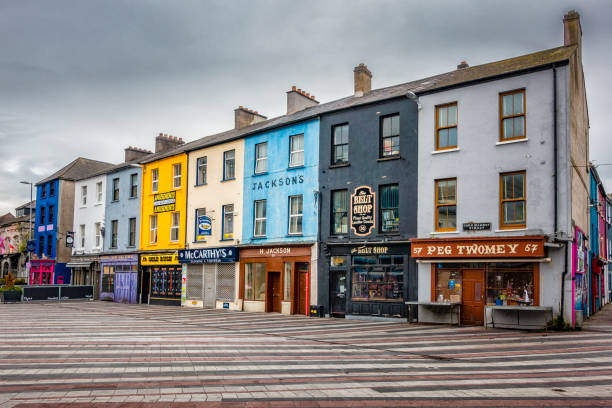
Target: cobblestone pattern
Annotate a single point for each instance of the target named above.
(100, 354)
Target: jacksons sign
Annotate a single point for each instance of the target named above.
(363, 210)
(488, 248)
(277, 182)
(208, 255)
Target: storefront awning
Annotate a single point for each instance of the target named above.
(481, 260)
(78, 264)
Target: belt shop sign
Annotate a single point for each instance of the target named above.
(363, 210)
(164, 202)
(208, 255)
(518, 247)
(167, 258)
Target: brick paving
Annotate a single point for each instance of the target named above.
(99, 354)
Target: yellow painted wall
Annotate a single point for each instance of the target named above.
(164, 219)
(215, 193)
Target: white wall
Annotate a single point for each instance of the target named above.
(89, 214)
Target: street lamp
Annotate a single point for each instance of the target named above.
(31, 229)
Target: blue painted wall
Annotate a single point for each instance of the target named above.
(43, 204)
(280, 182)
(122, 210)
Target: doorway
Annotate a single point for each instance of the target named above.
(301, 270)
(273, 293)
(338, 293)
(145, 288)
(472, 303)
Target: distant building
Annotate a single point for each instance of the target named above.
(14, 234)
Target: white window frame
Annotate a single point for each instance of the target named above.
(263, 159)
(98, 229)
(154, 180)
(261, 220)
(224, 215)
(153, 229)
(202, 162)
(83, 195)
(176, 176)
(133, 183)
(294, 153)
(226, 160)
(82, 233)
(99, 191)
(174, 228)
(300, 215)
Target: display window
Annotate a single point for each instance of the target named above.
(510, 285)
(448, 284)
(377, 278)
(255, 281)
(108, 279)
(166, 282)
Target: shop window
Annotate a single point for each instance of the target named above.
(390, 136)
(260, 218)
(229, 165)
(176, 178)
(448, 284)
(261, 157)
(296, 153)
(339, 212)
(133, 185)
(389, 208)
(510, 285)
(287, 286)
(174, 229)
(295, 214)
(202, 167)
(337, 261)
(166, 282)
(228, 222)
(377, 278)
(115, 189)
(513, 201)
(446, 126)
(108, 279)
(255, 281)
(512, 115)
(226, 278)
(446, 205)
(340, 146)
(154, 180)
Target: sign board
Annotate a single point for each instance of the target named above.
(208, 255)
(273, 252)
(226, 305)
(516, 247)
(164, 202)
(363, 211)
(69, 239)
(476, 226)
(41, 228)
(165, 258)
(370, 250)
(50, 227)
(204, 228)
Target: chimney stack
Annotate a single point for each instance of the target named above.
(298, 100)
(463, 65)
(244, 117)
(363, 80)
(572, 31)
(165, 142)
(135, 153)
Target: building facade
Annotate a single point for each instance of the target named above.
(598, 248)
(14, 234)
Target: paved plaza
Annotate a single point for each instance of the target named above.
(99, 354)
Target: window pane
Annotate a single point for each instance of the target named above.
(519, 186)
(442, 117)
(518, 103)
(248, 282)
(386, 127)
(508, 128)
(452, 217)
(395, 125)
(452, 115)
(507, 102)
(514, 212)
(287, 286)
(260, 281)
(519, 126)
(443, 138)
(452, 136)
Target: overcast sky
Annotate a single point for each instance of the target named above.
(88, 78)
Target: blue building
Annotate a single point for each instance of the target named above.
(53, 222)
(598, 242)
(280, 218)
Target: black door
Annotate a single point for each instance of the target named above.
(145, 286)
(338, 293)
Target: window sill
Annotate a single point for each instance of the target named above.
(523, 140)
(113, 201)
(131, 246)
(259, 237)
(263, 173)
(301, 166)
(443, 232)
(200, 185)
(337, 166)
(176, 188)
(98, 204)
(226, 239)
(511, 229)
(295, 235)
(456, 149)
(224, 180)
(132, 198)
(382, 159)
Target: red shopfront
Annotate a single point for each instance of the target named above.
(41, 272)
(482, 273)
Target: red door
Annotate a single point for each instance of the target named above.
(472, 303)
(302, 278)
(273, 294)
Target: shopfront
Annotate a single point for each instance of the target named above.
(579, 278)
(276, 279)
(42, 272)
(485, 277)
(119, 278)
(368, 280)
(160, 277)
(209, 276)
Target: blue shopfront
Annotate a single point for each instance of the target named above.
(119, 278)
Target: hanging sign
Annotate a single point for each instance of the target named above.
(69, 239)
(164, 202)
(204, 228)
(363, 215)
(476, 226)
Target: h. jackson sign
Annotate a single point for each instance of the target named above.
(515, 247)
(208, 255)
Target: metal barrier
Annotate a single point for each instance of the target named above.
(56, 292)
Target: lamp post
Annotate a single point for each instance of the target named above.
(31, 229)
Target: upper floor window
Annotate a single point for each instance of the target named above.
(229, 170)
(176, 179)
(115, 189)
(228, 221)
(51, 214)
(83, 195)
(154, 180)
(201, 169)
(42, 215)
(132, 232)
(295, 214)
(114, 232)
(82, 235)
(446, 205)
(41, 245)
(43, 191)
(340, 146)
(339, 206)
(446, 126)
(51, 189)
(174, 229)
(512, 115)
(260, 218)
(98, 235)
(513, 211)
(261, 157)
(153, 229)
(99, 192)
(198, 212)
(389, 208)
(296, 150)
(390, 136)
(50, 245)
(133, 185)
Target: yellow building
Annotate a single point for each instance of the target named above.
(162, 226)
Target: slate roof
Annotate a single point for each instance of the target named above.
(7, 218)
(31, 204)
(78, 169)
(459, 77)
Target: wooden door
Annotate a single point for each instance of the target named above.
(302, 279)
(472, 303)
(273, 294)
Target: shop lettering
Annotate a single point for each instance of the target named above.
(370, 250)
(164, 202)
(275, 251)
(476, 249)
(279, 182)
(164, 258)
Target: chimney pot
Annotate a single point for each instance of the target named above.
(462, 65)
(293, 88)
(298, 99)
